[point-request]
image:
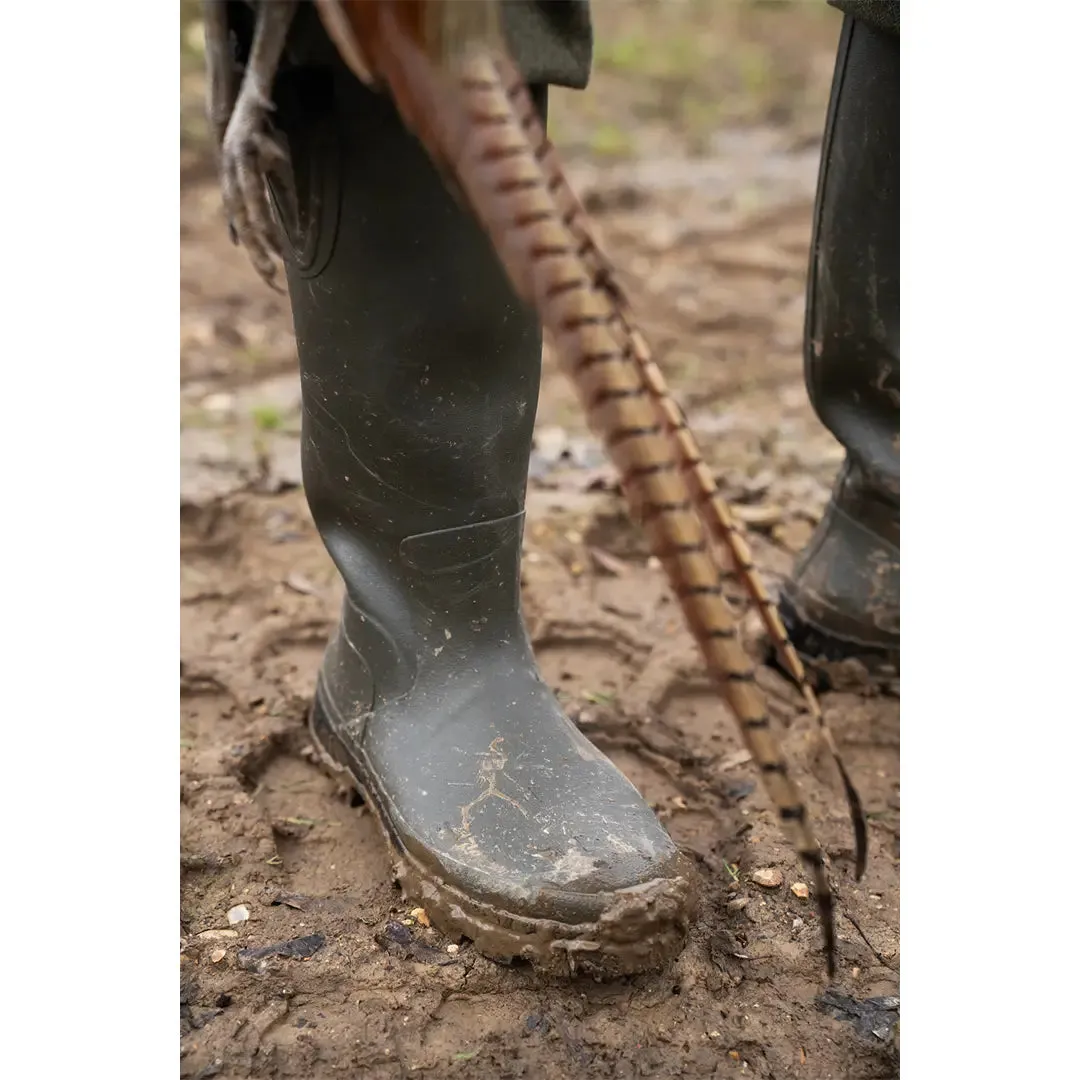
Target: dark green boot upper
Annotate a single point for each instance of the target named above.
(843, 598)
(420, 373)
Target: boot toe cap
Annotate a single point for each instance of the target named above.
(529, 841)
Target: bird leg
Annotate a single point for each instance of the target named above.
(222, 82)
(248, 151)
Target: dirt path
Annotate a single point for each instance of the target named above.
(712, 228)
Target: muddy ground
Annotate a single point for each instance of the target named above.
(698, 155)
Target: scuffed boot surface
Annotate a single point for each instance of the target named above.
(508, 825)
(420, 370)
(842, 601)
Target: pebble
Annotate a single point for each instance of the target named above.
(769, 878)
(452, 949)
(217, 935)
(760, 516)
(238, 914)
(421, 916)
(801, 890)
(217, 956)
(218, 403)
(739, 904)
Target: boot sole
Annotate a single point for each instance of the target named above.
(819, 649)
(643, 928)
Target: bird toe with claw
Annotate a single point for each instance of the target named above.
(248, 155)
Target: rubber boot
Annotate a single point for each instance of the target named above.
(842, 600)
(420, 373)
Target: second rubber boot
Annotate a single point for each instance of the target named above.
(420, 372)
(843, 598)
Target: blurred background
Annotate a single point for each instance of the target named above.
(695, 147)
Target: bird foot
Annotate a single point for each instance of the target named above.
(249, 153)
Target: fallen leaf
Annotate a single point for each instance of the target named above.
(298, 583)
(296, 948)
(292, 900)
(609, 563)
(396, 938)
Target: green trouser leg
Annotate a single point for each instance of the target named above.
(843, 598)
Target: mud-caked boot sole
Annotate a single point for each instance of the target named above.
(636, 928)
(841, 605)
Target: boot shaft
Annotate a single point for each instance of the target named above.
(852, 339)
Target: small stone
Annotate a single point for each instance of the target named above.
(421, 916)
(217, 956)
(218, 404)
(761, 517)
(217, 935)
(801, 890)
(738, 904)
(769, 878)
(301, 584)
(238, 914)
(452, 949)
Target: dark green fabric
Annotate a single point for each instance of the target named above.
(884, 14)
(551, 40)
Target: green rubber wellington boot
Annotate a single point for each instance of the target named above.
(842, 600)
(420, 373)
